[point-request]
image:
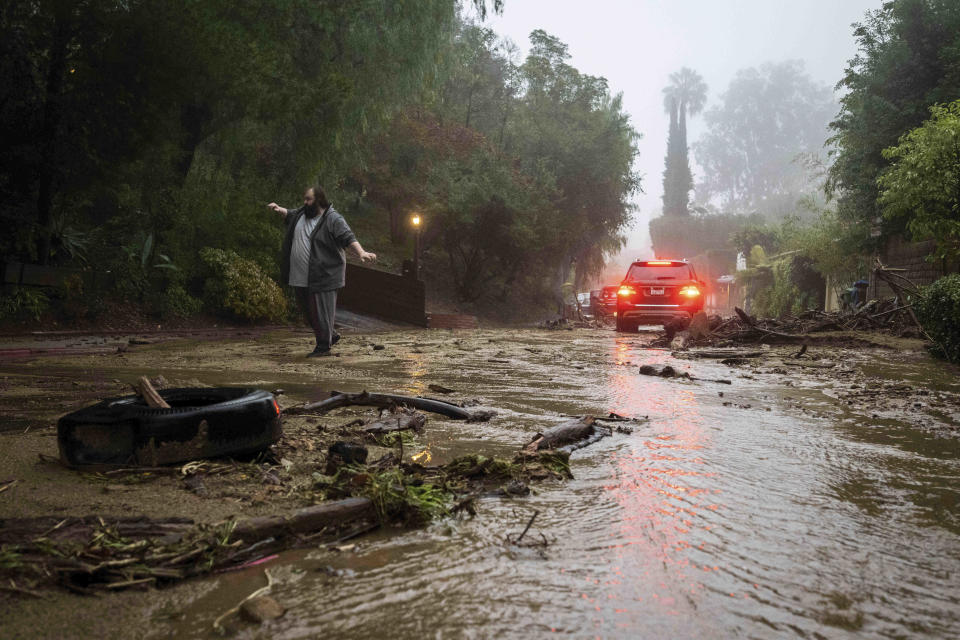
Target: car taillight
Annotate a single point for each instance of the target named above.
(690, 291)
(623, 292)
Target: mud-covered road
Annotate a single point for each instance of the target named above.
(816, 497)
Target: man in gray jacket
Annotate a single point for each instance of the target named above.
(314, 261)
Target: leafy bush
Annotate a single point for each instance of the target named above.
(939, 312)
(785, 285)
(240, 288)
(175, 302)
(23, 304)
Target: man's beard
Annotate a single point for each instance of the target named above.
(312, 210)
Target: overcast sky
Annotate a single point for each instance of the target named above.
(637, 44)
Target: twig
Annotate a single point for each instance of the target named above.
(527, 528)
(13, 588)
(259, 592)
(128, 583)
(883, 313)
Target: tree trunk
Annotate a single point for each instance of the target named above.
(194, 118)
(52, 114)
(396, 226)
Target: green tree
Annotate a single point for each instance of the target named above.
(921, 189)
(569, 129)
(686, 94)
(755, 151)
(908, 60)
(163, 116)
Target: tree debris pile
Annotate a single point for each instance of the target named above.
(889, 316)
(352, 496)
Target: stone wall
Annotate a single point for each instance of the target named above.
(911, 256)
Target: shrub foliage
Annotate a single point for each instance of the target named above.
(238, 287)
(939, 312)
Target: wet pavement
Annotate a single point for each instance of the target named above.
(813, 502)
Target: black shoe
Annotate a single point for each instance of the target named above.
(318, 353)
(336, 339)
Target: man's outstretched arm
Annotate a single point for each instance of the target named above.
(282, 211)
(357, 250)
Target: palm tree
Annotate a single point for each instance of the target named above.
(688, 91)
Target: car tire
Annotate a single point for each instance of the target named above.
(625, 326)
(201, 423)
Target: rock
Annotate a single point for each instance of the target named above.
(515, 488)
(343, 453)
(699, 326)
(194, 483)
(679, 342)
(378, 347)
(261, 609)
(481, 416)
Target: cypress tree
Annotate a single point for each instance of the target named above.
(677, 179)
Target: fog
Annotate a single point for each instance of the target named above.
(637, 44)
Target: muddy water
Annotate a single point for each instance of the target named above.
(784, 513)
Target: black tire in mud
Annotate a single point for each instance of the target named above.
(625, 326)
(201, 423)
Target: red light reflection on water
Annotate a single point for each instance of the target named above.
(666, 495)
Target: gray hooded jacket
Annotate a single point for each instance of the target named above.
(328, 260)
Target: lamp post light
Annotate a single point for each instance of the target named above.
(416, 221)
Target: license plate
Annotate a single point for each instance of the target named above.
(656, 292)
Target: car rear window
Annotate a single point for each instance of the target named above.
(640, 272)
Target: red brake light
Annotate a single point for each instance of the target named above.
(659, 263)
(276, 406)
(626, 291)
(690, 291)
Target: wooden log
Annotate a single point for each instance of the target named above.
(562, 434)
(599, 433)
(306, 520)
(724, 353)
(400, 421)
(336, 513)
(385, 400)
(146, 391)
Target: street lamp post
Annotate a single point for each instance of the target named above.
(415, 220)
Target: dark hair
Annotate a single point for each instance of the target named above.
(320, 197)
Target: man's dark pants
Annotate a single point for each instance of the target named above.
(320, 307)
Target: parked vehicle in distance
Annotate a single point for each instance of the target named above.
(605, 303)
(656, 292)
(583, 299)
(594, 301)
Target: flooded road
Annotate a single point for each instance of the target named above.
(770, 507)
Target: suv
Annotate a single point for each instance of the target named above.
(605, 302)
(656, 292)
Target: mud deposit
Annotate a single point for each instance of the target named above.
(814, 497)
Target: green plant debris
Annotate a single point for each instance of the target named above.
(556, 461)
(474, 466)
(390, 440)
(400, 498)
(10, 559)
